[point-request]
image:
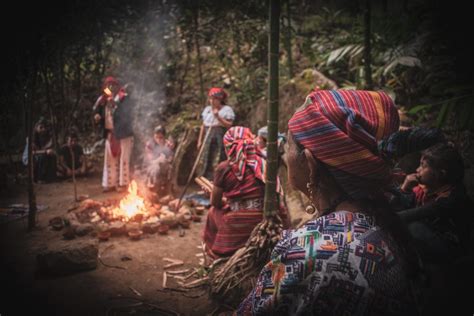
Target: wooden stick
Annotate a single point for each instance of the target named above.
(178, 271)
(196, 283)
(173, 265)
(164, 280)
(201, 150)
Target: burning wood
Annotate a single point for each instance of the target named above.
(132, 214)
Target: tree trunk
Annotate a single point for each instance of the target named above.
(198, 53)
(29, 105)
(270, 203)
(49, 104)
(288, 39)
(367, 57)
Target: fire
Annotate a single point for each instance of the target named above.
(108, 92)
(132, 204)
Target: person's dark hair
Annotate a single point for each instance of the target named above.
(72, 134)
(160, 130)
(445, 157)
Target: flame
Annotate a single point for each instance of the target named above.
(131, 204)
(108, 92)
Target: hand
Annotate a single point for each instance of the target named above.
(410, 182)
(97, 118)
(215, 111)
(49, 151)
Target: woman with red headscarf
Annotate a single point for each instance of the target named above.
(354, 257)
(240, 179)
(217, 117)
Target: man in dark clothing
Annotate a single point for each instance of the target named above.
(113, 111)
(69, 151)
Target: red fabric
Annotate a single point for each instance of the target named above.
(422, 197)
(342, 128)
(239, 144)
(218, 93)
(114, 145)
(227, 231)
(110, 80)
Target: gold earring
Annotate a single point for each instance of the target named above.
(310, 209)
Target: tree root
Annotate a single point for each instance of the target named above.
(230, 280)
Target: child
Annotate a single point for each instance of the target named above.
(438, 191)
(158, 158)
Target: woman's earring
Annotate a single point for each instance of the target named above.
(310, 209)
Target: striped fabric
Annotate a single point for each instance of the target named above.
(342, 129)
(242, 153)
(226, 231)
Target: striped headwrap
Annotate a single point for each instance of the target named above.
(342, 128)
(241, 152)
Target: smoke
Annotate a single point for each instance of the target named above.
(140, 61)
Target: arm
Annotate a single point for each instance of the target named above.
(225, 122)
(216, 196)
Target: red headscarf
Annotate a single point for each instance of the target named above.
(342, 128)
(217, 93)
(241, 151)
(110, 80)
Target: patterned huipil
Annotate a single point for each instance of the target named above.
(338, 264)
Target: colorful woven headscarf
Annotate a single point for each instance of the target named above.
(242, 153)
(218, 93)
(342, 128)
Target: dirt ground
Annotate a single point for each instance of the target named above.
(105, 290)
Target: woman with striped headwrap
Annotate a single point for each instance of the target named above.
(240, 179)
(355, 256)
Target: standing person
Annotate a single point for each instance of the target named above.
(355, 256)
(240, 180)
(218, 117)
(113, 112)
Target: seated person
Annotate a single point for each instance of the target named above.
(441, 223)
(158, 158)
(44, 157)
(240, 180)
(69, 151)
(261, 141)
(437, 190)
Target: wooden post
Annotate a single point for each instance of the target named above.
(270, 202)
(367, 48)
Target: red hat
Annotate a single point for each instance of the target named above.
(110, 80)
(217, 93)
